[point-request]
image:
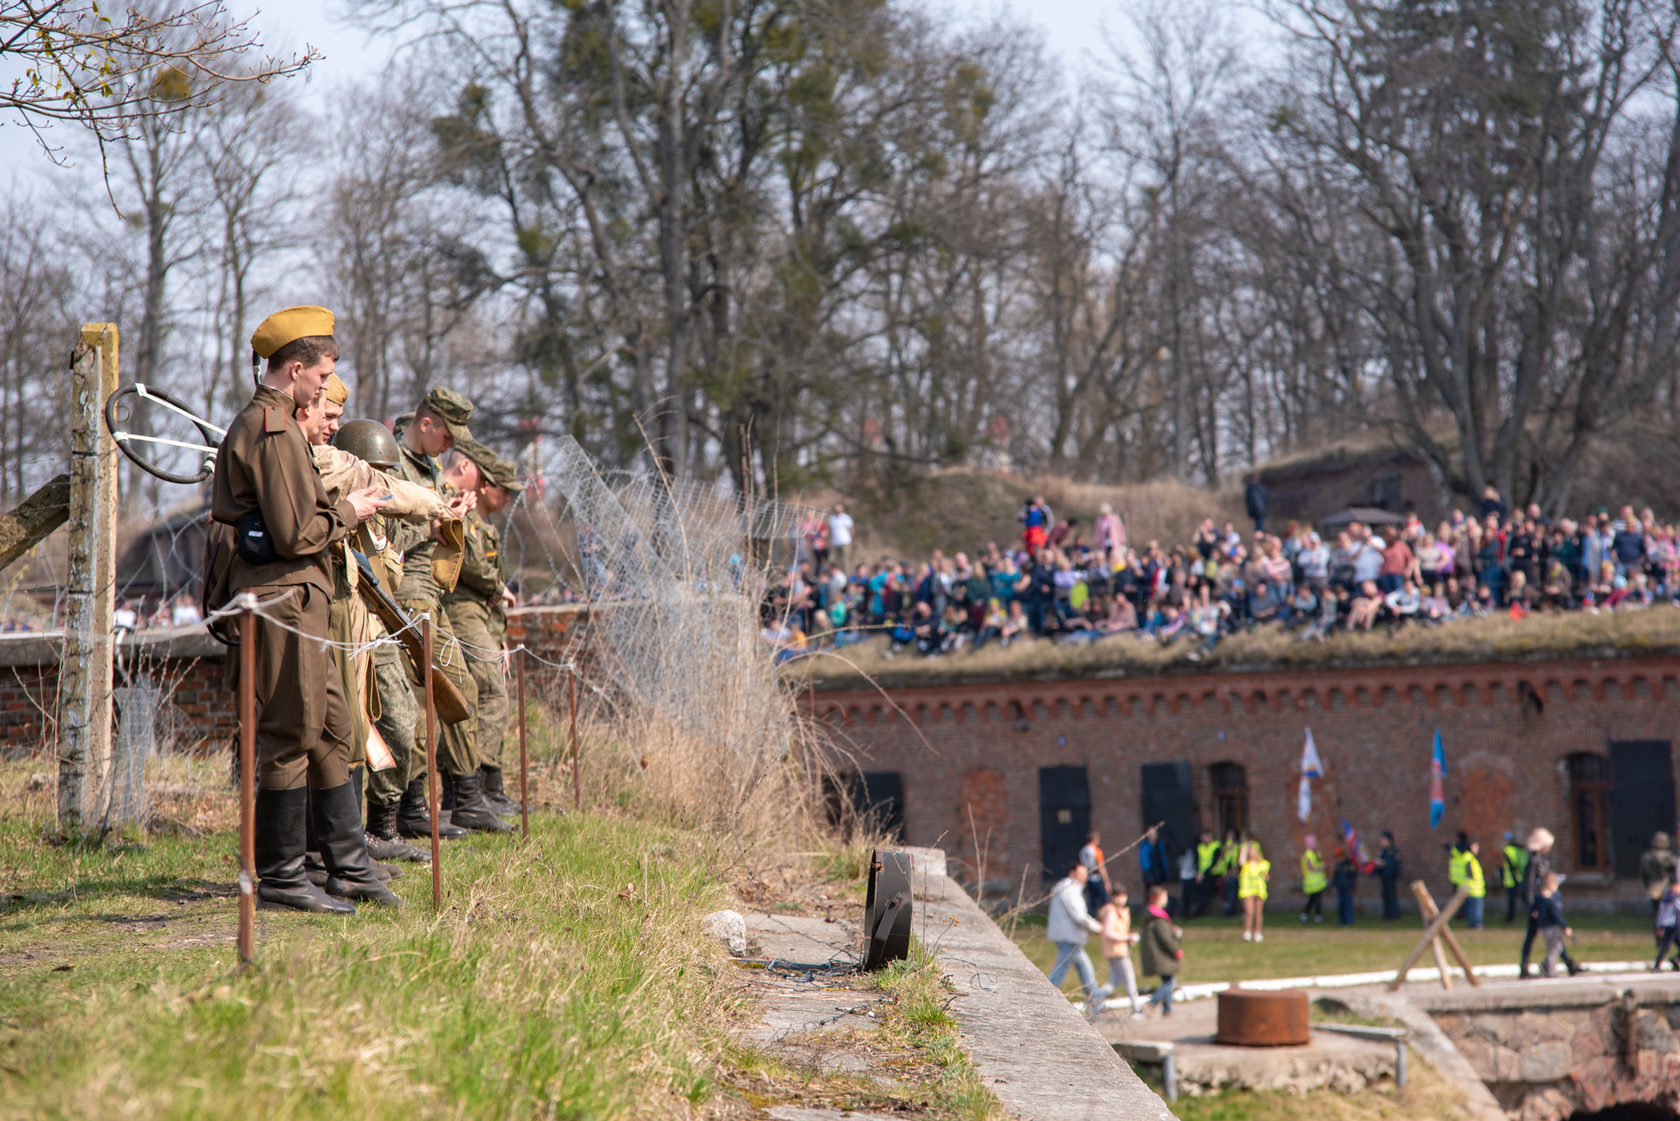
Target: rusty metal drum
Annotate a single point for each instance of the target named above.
(1249, 1018)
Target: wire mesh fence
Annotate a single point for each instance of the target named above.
(673, 579)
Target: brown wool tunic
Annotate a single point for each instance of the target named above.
(303, 721)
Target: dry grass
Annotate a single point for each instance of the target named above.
(1651, 632)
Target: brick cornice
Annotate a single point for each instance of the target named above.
(1486, 683)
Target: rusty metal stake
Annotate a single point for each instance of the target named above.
(247, 787)
(524, 758)
(434, 788)
(577, 784)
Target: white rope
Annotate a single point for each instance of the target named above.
(141, 391)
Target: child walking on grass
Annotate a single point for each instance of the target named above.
(1115, 918)
(1547, 913)
(1162, 951)
(1668, 926)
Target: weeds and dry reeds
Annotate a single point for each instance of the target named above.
(1651, 631)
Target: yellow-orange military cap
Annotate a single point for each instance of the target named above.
(336, 391)
(288, 326)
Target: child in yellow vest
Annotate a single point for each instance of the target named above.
(1313, 880)
(1253, 871)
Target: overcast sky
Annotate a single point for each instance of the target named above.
(1072, 28)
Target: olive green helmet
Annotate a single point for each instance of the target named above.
(370, 441)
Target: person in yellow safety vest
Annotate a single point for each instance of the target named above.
(1313, 880)
(1253, 869)
(1512, 874)
(1227, 867)
(1207, 879)
(1475, 883)
(1456, 852)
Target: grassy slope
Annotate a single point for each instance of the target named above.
(1649, 632)
(565, 977)
(1214, 949)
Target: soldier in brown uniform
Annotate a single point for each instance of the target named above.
(477, 611)
(438, 422)
(266, 486)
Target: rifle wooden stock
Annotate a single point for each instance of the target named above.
(451, 704)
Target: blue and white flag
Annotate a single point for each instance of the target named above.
(1437, 787)
(1311, 767)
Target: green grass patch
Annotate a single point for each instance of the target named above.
(1214, 949)
(919, 1017)
(564, 977)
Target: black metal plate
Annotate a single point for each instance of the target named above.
(887, 909)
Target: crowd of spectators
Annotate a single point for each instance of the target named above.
(1058, 583)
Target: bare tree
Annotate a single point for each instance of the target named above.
(111, 74)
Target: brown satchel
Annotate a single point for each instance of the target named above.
(448, 701)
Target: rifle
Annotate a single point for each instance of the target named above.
(447, 699)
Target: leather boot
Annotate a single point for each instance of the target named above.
(382, 840)
(338, 824)
(279, 854)
(471, 810)
(414, 819)
(495, 794)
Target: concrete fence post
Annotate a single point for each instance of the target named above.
(84, 731)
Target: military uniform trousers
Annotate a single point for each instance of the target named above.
(399, 714)
(481, 635)
(303, 719)
(458, 743)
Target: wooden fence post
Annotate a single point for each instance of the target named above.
(84, 730)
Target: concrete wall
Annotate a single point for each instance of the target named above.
(969, 756)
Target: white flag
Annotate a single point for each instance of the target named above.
(1311, 765)
(1304, 799)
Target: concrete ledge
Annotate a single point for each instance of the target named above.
(1032, 1047)
(1540, 996)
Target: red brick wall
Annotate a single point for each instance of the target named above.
(1507, 730)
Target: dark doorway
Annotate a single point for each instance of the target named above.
(872, 801)
(1167, 797)
(1641, 798)
(1064, 817)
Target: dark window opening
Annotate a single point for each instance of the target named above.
(870, 803)
(1589, 811)
(1064, 817)
(1641, 799)
(1229, 783)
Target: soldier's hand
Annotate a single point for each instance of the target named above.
(508, 598)
(367, 502)
(460, 504)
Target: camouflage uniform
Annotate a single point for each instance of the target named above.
(476, 614)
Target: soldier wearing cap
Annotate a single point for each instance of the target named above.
(430, 568)
(477, 611)
(266, 486)
(362, 453)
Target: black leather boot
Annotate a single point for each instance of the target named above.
(338, 824)
(414, 819)
(495, 794)
(382, 839)
(279, 853)
(471, 810)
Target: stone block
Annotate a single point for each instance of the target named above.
(1490, 1061)
(1651, 1032)
(1588, 1043)
(1545, 1062)
(729, 928)
(1531, 1028)
(1672, 1012)
(1549, 1104)
(1596, 1083)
